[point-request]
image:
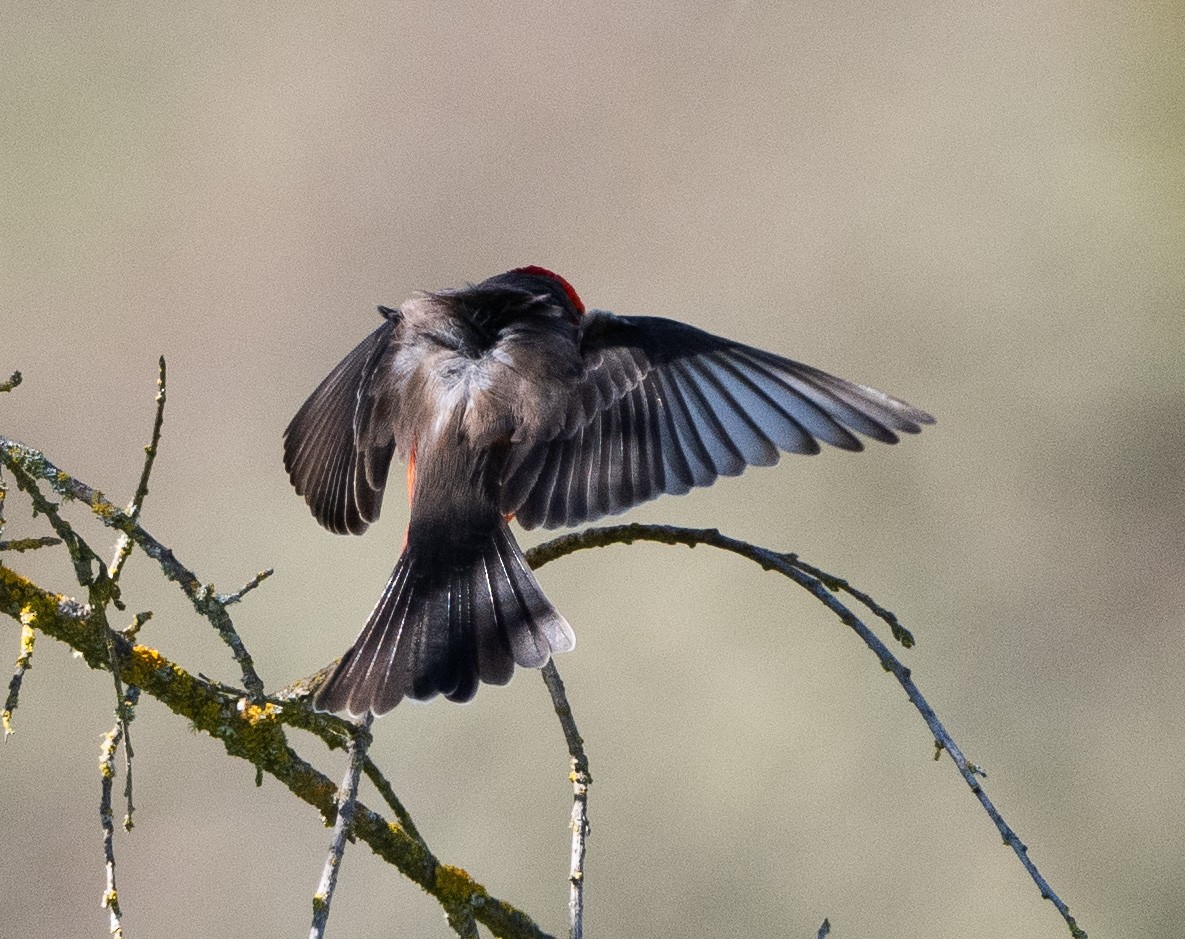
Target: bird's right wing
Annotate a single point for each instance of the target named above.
(664, 406)
(338, 447)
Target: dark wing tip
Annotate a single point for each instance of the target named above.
(665, 407)
(335, 450)
(315, 476)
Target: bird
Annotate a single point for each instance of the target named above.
(509, 400)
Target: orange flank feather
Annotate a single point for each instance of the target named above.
(411, 475)
(411, 487)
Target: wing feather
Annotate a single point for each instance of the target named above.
(663, 407)
(338, 447)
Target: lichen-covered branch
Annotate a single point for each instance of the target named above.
(255, 733)
(107, 749)
(24, 662)
(347, 802)
(29, 544)
(581, 779)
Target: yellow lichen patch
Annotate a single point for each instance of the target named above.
(150, 663)
(254, 713)
(454, 886)
(27, 639)
(149, 655)
(185, 695)
(106, 756)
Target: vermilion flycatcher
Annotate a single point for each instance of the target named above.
(509, 400)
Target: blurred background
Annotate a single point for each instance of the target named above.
(979, 208)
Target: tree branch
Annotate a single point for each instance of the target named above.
(24, 662)
(581, 779)
(347, 802)
(254, 732)
(123, 544)
(789, 566)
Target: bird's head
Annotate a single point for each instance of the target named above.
(539, 281)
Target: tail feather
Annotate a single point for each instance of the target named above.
(509, 596)
(442, 631)
(495, 662)
(363, 673)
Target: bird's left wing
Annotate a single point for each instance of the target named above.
(338, 447)
(663, 406)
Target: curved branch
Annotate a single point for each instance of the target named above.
(820, 587)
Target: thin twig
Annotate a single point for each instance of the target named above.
(837, 584)
(347, 802)
(24, 661)
(581, 779)
(127, 712)
(783, 564)
(29, 544)
(226, 599)
(123, 550)
(101, 589)
(123, 714)
(133, 628)
(123, 544)
(81, 554)
(107, 774)
(385, 789)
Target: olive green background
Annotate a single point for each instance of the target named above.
(978, 207)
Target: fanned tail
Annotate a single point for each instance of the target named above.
(442, 625)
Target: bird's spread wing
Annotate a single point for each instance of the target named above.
(664, 406)
(338, 447)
